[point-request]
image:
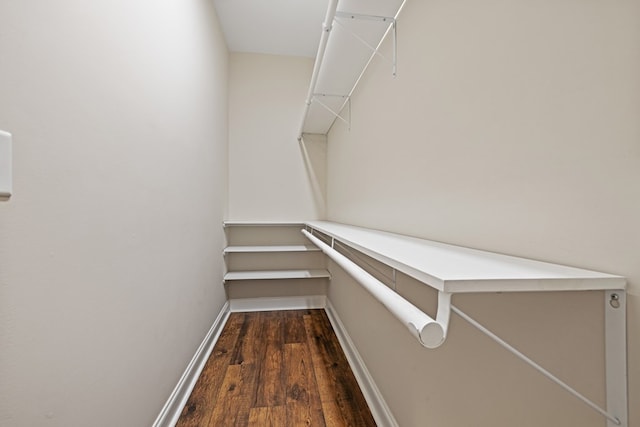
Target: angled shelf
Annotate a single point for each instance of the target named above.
(352, 33)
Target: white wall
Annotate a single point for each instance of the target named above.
(513, 127)
(110, 267)
(271, 175)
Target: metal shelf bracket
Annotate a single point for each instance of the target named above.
(374, 49)
(615, 330)
(616, 412)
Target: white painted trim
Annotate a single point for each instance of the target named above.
(277, 303)
(170, 413)
(379, 409)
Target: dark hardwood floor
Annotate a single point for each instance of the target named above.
(280, 369)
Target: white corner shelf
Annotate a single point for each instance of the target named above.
(351, 35)
(456, 269)
(270, 249)
(271, 259)
(276, 275)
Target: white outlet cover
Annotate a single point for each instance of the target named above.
(5, 165)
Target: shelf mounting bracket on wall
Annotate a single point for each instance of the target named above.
(615, 412)
(374, 49)
(615, 335)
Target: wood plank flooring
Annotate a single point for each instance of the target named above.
(280, 369)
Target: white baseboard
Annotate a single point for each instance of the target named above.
(277, 303)
(170, 413)
(379, 409)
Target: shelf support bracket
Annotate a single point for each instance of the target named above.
(376, 49)
(615, 330)
(615, 345)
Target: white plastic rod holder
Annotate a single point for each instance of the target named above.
(429, 332)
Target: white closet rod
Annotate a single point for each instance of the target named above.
(429, 332)
(326, 29)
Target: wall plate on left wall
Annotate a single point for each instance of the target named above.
(5, 165)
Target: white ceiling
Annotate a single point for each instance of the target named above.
(279, 27)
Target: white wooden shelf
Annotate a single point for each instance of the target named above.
(264, 239)
(276, 274)
(271, 249)
(455, 269)
(262, 223)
